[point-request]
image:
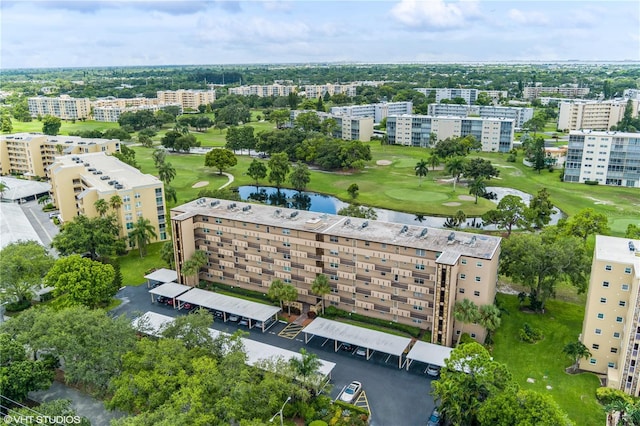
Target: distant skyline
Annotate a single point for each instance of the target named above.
(83, 33)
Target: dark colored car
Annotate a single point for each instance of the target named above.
(161, 299)
(348, 347)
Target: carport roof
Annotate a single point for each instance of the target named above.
(228, 304)
(170, 290)
(162, 275)
(429, 353)
(376, 340)
(151, 323)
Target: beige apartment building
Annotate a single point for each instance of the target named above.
(402, 273)
(188, 99)
(592, 115)
(29, 154)
(78, 181)
(569, 91)
(611, 327)
(63, 107)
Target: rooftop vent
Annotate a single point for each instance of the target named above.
(118, 186)
(347, 222)
(246, 208)
(214, 203)
(277, 212)
(364, 224)
(231, 206)
(424, 232)
(104, 178)
(451, 237)
(632, 247)
(404, 229)
(294, 214)
(87, 165)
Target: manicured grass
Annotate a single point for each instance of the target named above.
(65, 128)
(372, 327)
(544, 361)
(134, 268)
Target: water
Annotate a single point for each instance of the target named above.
(321, 203)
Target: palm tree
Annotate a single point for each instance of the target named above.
(455, 167)
(576, 350)
(158, 157)
(101, 206)
(192, 266)
(465, 311)
(320, 286)
(489, 318)
(44, 199)
(166, 172)
(434, 161)
(115, 202)
(289, 294)
(3, 187)
(170, 194)
(477, 187)
(421, 170)
(275, 291)
(142, 233)
(306, 367)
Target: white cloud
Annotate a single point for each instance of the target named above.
(434, 14)
(528, 18)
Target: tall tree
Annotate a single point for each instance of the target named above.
(159, 156)
(141, 234)
(586, 222)
(489, 319)
(307, 368)
(479, 167)
(466, 312)
(455, 166)
(221, 159)
(540, 209)
(102, 206)
(22, 266)
(511, 211)
(278, 168)
(275, 291)
(353, 190)
(20, 375)
(633, 231)
(6, 126)
(477, 187)
(308, 122)
(191, 268)
(434, 161)
(300, 176)
(576, 351)
(257, 170)
(421, 169)
(166, 172)
(288, 294)
(524, 407)
(321, 287)
(279, 117)
(167, 254)
(96, 236)
(51, 125)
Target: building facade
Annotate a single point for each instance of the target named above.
(495, 134)
(469, 95)
(377, 111)
(570, 91)
(187, 99)
(519, 115)
(29, 154)
(78, 181)
(407, 274)
(610, 158)
(592, 115)
(347, 128)
(63, 107)
(611, 327)
(263, 91)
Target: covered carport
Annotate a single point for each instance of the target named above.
(170, 291)
(151, 323)
(428, 353)
(161, 276)
(255, 312)
(371, 340)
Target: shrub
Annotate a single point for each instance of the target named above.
(511, 158)
(466, 338)
(18, 306)
(609, 395)
(529, 334)
(591, 182)
(318, 423)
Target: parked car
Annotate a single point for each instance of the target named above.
(361, 352)
(351, 392)
(434, 418)
(233, 318)
(161, 299)
(348, 347)
(433, 370)
(258, 324)
(188, 306)
(244, 321)
(169, 302)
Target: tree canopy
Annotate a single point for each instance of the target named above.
(51, 125)
(23, 264)
(98, 237)
(220, 159)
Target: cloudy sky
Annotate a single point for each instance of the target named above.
(79, 33)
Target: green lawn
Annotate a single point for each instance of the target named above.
(544, 361)
(65, 128)
(134, 268)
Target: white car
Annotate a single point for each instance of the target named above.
(351, 392)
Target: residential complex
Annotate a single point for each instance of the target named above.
(469, 95)
(78, 181)
(187, 99)
(347, 128)
(519, 115)
(592, 115)
(495, 134)
(29, 154)
(631, 94)
(377, 111)
(307, 90)
(402, 273)
(609, 158)
(568, 91)
(63, 107)
(611, 327)
(263, 91)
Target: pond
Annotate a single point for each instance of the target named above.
(321, 203)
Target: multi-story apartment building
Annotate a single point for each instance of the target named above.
(495, 134)
(611, 327)
(519, 115)
(593, 115)
(113, 113)
(263, 91)
(317, 90)
(63, 107)
(125, 102)
(29, 154)
(377, 111)
(188, 99)
(402, 273)
(610, 158)
(469, 95)
(347, 128)
(78, 181)
(571, 91)
(631, 94)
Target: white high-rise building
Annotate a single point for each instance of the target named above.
(593, 115)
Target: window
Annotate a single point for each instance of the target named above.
(618, 319)
(334, 252)
(592, 361)
(418, 281)
(473, 335)
(420, 267)
(600, 316)
(138, 204)
(286, 231)
(333, 239)
(627, 270)
(417, 308)
(616, 335)
(286, 256)
(463, 261)
(218, 220)
(137, 195)
(218, 232)
(622, 303)
(286, 244)
(463, 276)
(479, 264)
(476, 293)
(608, 268)
(383, 245)
(420, 252)
(603, 300)
(127, 207)
(287, 280)
(611, 365)
(462, 291)
(334, 278)
(477, 279)
(129, 225)
(366, 243)
(614, 350)
(598, 331)
(605, 283)
(286, 268)
(334, 265)
(595, 346)
(625, 287)
(126, 199)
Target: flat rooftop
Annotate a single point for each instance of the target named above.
(429, 353)
(453, 243)
(228, 304)
(618, 250)
(59, 139)
(98, 169)
(15, 226)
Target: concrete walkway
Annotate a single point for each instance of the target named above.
(230, 177)
(84, 404)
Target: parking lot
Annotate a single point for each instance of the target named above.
(395, 396)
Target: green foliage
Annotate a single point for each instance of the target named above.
(300, 176)
(530, 334)
(456, 147)
(6, 126)
(353, 190)
(127, 156)
(239, 138)
(221, 159)
(23, 264)
(167, 254)
(633, 231)
(225, 194)
(278, 168)
(479, 167)
(576, 350)
(51, 125)
(139, 120)
(522, 408)
(421, 169)
(606, 396)
(510, 212)
(83, 281)
(356, 210)
(116, 133)
(48, 411)
(584, 223)
(591, 182)
(257, 170)
(141, 234)
(99, 237)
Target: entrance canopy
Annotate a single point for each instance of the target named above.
(428, 353)
(359, 336)
(230, 305)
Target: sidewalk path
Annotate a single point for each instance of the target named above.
(231, 179)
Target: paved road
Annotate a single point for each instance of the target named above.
(396, 397)
(42, 224)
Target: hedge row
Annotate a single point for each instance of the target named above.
(332, 312)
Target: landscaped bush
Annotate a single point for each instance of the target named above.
(18, 306)
(591, 182)
(332, 312)
(609, 395)
(511, 158)
(466, 338)
(529, 334)
(318, 423)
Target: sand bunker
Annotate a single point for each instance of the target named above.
(451, 204)
(383, 162)
(200, 184)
